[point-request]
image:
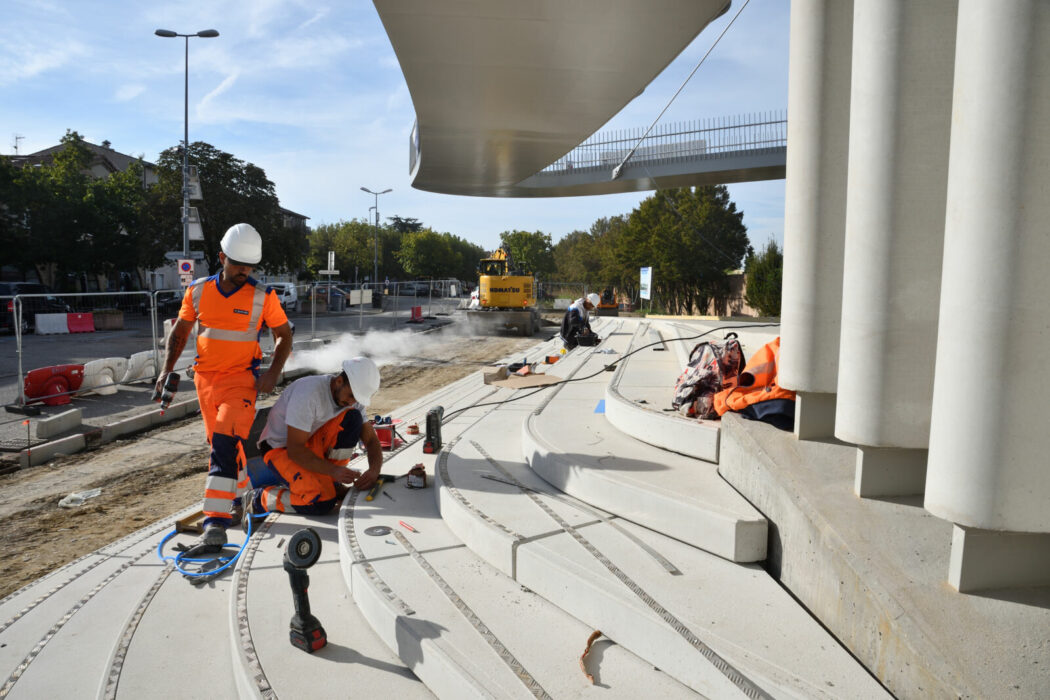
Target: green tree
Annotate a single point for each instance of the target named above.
(573, 257)
(764, 273)
(404, 225)
(532, 249)
(426, 254)
(352, 242)
(467, 257)
(691, 238)
(234, 191)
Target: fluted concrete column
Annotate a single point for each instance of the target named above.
(990, 437)
(900, 112)
(815, 208)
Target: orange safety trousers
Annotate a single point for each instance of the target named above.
(309, 492)
(227, 402)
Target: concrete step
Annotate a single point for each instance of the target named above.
(464, 628)
(74, 632)
(722, 629)
(642, 387)
(568, 441)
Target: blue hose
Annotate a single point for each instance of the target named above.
(179, 559)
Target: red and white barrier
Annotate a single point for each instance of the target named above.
(101, 376)
(81, 323)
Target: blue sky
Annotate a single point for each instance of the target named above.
(312, 93)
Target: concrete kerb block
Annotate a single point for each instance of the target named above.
(49, 450)
(125, 427)
(814, 415)
(989, 559)
(59, 423)
(890, 471)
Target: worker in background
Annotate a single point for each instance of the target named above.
(576, 322)
(230, 309)
(309, 439)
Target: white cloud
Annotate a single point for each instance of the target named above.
(22, 59)
(128, 92)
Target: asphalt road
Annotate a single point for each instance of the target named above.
(48, 350)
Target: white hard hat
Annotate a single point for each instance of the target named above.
(364, 378)
(593, 298)
(242, 243)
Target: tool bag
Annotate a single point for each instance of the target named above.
(711, 364)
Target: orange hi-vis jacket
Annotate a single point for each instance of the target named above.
(228, 325)
(761, 372)
(228, 359)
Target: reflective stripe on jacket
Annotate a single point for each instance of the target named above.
(228, 326)
(762, 368)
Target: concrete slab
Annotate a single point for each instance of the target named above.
(463, 628)
(581, 453)
(639, 587)
(874, 572)
(260, 610)
(641, 388)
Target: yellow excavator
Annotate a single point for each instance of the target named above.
(506, 295)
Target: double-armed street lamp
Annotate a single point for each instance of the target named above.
(204, 34)
(375, 248)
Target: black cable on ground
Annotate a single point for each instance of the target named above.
(606, 368)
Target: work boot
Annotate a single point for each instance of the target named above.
(214, 538)
(211, 542)
(248, 501)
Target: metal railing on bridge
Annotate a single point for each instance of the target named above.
(719, 137)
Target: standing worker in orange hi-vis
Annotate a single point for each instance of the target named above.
(230, 309)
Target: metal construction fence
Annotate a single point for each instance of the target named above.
(119, 337)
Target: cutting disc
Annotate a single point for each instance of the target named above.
(377, 530)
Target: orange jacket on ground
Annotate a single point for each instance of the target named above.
(228, 325)
(762, 369)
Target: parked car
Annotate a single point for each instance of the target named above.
(287, 293)
(413, 289)
(31, 306)
(168, 304)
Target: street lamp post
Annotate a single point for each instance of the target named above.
(375, 248)
(204, 34)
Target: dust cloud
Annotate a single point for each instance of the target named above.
(384, 347)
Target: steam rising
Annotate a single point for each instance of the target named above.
(384, 347)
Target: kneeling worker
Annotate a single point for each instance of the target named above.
(575, 323)
(308, 440)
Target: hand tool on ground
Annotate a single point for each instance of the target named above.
(302, 552)
(382, 479)
(167, 394)
(405, 525)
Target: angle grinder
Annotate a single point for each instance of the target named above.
(302, 552)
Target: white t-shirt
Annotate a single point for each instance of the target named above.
(306, 404)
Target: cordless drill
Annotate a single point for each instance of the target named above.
(432, 441)
(305, 630)
(165, 396)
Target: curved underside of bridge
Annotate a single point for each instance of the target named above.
(503, 88)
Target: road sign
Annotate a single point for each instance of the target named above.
(185, 267)
(328, 272)
(177, 255)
